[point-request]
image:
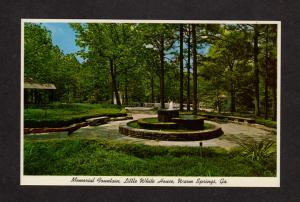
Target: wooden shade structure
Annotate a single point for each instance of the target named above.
(32, 85)
(33, 92)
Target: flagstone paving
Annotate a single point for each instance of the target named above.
(232, 133)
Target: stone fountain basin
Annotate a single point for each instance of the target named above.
(156, 125)
(166, 115)
(190, 122)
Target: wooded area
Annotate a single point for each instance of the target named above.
(228, 67)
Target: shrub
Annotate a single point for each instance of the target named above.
(258, 150)
(261, 154)
(62, 114)
(266, 122)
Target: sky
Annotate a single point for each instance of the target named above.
(64, 37)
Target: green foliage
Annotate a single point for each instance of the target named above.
(227, 67)
(136, 67)
(151, 120)
(226, 78)
(266, 122)
(38, 49)
(258, 151)
(46, 63)
(261, 153)
(96, 157)
(134, 124)
(57, 115)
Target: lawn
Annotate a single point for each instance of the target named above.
(58, 154)
(75, 156)
(57, 115)
(134, 124)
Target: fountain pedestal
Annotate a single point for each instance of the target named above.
(190, 122)
(166, 115)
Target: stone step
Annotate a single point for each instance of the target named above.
(97, 120)
(120, 118)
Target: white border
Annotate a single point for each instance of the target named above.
(278, 99)
(23, 20)
(22, 103)
(203, 181)
(231, 181)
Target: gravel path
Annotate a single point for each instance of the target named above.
(232, 133)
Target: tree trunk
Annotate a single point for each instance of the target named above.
(232, 96)
(126, 87)
(266, 100)
(112, 94)
(114, 81)
(188, 70)
(232, 92)
(256, 71)
(195, 99)
(162, 72)
(266, 76)
(152, 89)
(273, 66)
(181, 68)
(274, 103)
(218, 103)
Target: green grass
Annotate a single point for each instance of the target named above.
(99, 157)
(57, 115)
(134, 124)
(151, 120)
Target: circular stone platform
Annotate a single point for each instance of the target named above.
(194, 135)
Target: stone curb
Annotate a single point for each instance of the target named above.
(70, 129)
(170, 135)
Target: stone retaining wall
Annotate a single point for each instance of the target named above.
(170, 135)
(231, 118)
(70, 129)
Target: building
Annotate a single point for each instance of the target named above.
(38, 93)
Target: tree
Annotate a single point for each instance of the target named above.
(256, 69)
(111, 42)
(150, 59)
(267, 74)
(159, 37)
(230, 56)
(188, 67)
(162, 70)
(195, 99)
(37, 50)
(141, 61)
(269, 70)
(181, 67)
(273, 67)
(46, 63)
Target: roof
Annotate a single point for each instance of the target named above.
(31, 85)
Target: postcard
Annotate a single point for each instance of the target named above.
(171, 103)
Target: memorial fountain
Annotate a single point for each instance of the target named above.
(170, 125)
